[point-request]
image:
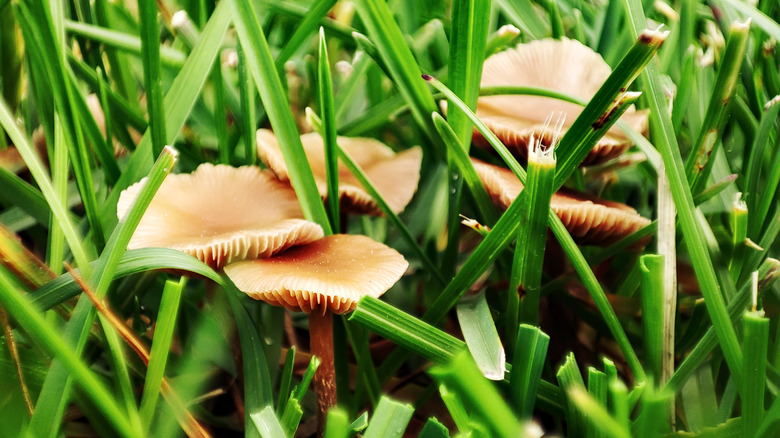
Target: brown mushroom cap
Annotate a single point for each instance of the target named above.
(395, 176)
(564, 65)
(332, 273)
(221, 214)
(589, 220)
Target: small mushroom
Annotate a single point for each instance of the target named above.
(563, 65)
(589, 220)
(321, 278)
(395, 176)
(221, 214)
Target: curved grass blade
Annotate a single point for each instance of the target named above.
(258, 396)
(269, 85)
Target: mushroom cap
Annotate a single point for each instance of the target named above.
(395, 176)
(564, 65)
(332, 273)
(221, 214)
(589, 220)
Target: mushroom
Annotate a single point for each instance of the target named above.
(395, 176)
(589, 220)
(221, 214)
(562, 65)
(321, 278)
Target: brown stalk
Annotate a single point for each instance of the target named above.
(188, 423)
(324, 381)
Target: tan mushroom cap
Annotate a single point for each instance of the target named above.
(395, 176)
(564, 65)
(332, 273)
(589, 220)
(221, 214)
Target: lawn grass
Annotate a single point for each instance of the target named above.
(499, 328)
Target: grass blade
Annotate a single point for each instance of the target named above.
(163, 335)
(269, 85)
(481, 336)
(328, 113)
(389, 419)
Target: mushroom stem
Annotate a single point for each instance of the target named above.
(321, 345)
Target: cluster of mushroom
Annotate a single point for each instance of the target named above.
(248, 222)
(571, 68)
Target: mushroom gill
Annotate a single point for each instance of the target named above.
(562, 65)
(221, 214)
(589, 220)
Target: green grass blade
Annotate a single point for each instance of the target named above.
(755, 342)
(527, 367)
(260, 63)
(266, 424)
(406, 330)
(479, 332)
(150, 50)
(461, 375)
(328, 113)
(246, 90)
(699, 164)
(257, 380)
(600, 423)
(122, 41)
(304, 28)
(398, 59)
(752, 168)
(132, 262)
(389, 420)
(158, 357)
(58, 210)
(523, 15)
(35, 325)
(337, 424)
(569, 378)
(652, 266)
(369, 187)
(768, 273)
(458, 153)
(532, 236)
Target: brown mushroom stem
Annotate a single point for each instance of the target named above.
(321, 345)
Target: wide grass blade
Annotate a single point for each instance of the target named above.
(389, 420)
(481, 336)
(527, 366)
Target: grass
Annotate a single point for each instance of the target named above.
(654, 334)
